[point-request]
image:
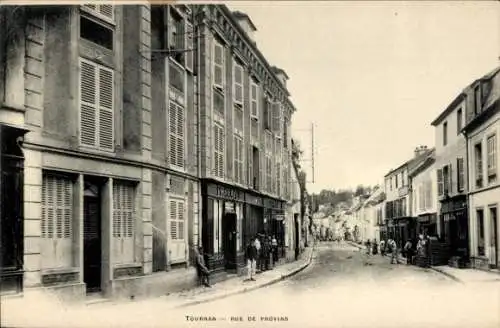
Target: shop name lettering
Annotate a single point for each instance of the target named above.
(228, 193)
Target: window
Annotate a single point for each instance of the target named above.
(96, 105)
(460, 174)
(254, 93)
(440, 182)
(123, 222)
(177, 36)
(428, 195)
(480, 234)
(285, 133)
(276, 115)
(238, 120)
(269, 169)
(176, 77)
(189, 54)
(421, 196)
(254, 129)
(397, 178)
(477, 99)
(219, 141)
(218, 66)
(278, 179)
(177, 121)
(238, 84)
(96, 33)
(239, 177)
(218, 99)
(459, 120)
(56, 224)
(178, 229)
(447, 179)
(478, 157)
(267, 114)
(491, 143)
(445, 133)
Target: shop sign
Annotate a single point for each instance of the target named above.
(225, 192)
(229, 207)
(254, 200)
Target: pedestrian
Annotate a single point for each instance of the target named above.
(368, 247)
(274, 247)
(258, 248)
(201, 268)
(251, 255)
(393, 248)
(408, 252)
(375, 247)
(382, 247)
(264, 249)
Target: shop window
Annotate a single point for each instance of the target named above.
(57, 220)
(123, 222)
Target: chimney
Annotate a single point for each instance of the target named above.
(246, 24)
(420, 150)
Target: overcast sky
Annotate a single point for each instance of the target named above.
(372, 75)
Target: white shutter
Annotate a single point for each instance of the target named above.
(218, 65)
(238, 83)
(190, 47)
(107, 10)
(177, 243)
(57, 220)
(88, 100)
(254, 99)
(176, 135)
(123, 222)
(173, 220)
(106, 100)
(221, 152)
(180, 137)
(440, 182)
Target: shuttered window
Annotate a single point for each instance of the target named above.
(238, 120)
(218, 103)
(267, 114)
(239, 176)
(278, 179)
(269, 170)
(123, 221)
(57, 221)
(107, 11)
(478, 157)
(218, 66)
(190, 47)
(491, 147)
(254, 96)
(440, 182)
(238, 84)
(96, 105)
(219, 141)
(177, 220)
(176, 134)
(460, 174)
(254, 129)
(276, 108)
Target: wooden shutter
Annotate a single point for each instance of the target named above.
(173, 220)
(172, 118)
(491, 157)
(218, 65)
(222, 147)
(276, 116)
(190, 47)
(106, 101)
(440, 182)
(177, 243)
(107, 10)
(88, 100)
(235, 155)
(238, 83)
(254, 96)
(123, 222)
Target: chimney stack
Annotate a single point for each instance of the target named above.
(420, 150)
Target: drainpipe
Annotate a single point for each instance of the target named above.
(467, 190)
(196, 30)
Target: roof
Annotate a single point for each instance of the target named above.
(411, 162)
(278, 70)
(422, 164)
(462, 95)
(239, 14)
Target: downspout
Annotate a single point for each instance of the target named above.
(196, 29)
(466, 164)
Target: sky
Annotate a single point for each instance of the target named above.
(372, 76)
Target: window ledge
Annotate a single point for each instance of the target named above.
(59, 271)
(127, 265)
(12, 107)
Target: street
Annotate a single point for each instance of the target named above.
(343, 287)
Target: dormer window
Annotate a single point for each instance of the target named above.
(477, 99)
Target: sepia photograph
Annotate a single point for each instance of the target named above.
(250, 164)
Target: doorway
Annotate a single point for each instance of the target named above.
(92, 238)
(494, 237)
(229, 237)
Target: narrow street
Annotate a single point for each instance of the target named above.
(346, 288)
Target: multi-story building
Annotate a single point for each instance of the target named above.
(424, 195)
(451, 177)
(481, 130)
(399, 223)
(372, 214)
(245, 144)
(123, 109)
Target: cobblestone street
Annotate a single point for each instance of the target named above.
(343, 287)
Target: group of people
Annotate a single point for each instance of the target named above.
(261, 254)
(409, 251)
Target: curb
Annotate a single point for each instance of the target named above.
(449, 275)
(249, 289)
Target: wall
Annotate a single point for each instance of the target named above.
(423, 177)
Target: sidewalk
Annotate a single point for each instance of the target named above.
(464, 276)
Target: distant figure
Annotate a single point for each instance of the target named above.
(251, 255)
(203, 273)
(375, 247)
(258, 248)
(274, 246)
(382, 247)
(368, 247)
(393, 248)
(408, 252)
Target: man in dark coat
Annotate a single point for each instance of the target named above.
(203, 273)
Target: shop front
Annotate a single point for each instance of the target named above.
(402, 229)
(275, 224)
(427, 224)
(454, 225)
(222, 227)
(254, 217)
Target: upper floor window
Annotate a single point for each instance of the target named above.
(285, 133)
(267, 114)
(97, 33)
(445, 133)
(218, 66)
(460, 174)
(477, 99)
(189, 53)
(397, 181)
(238, 84)
(254, 96)
(478, 158)
(447, 179)
(276, 113)
(239, 176)
(219, 149)
(459, 120)
(106, 12)
(491, 144)
(176, 77)
(96, 105)
(176, 36)
(177, 128)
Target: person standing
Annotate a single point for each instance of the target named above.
(201, 268)
(393, 248)
(251, 255)
(368, 247)
(274, 247)
(375, 247)
(408, 252)
(258, 249)
(382, 247)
